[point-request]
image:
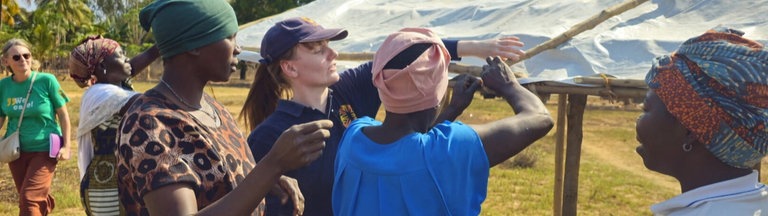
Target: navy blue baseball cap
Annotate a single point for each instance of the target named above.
(285, 34)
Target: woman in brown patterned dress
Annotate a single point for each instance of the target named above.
(180, 152)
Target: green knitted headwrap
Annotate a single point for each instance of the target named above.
(183, 25)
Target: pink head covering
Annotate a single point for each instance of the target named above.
(418, 86)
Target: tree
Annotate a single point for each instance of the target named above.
(57, 25)
(8, 10)
(250, 10)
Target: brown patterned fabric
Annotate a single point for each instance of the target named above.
(160, 144)
(86, 56)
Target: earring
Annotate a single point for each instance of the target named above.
(105, 71)
(687, 147)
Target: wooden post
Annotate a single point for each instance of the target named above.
(557, 205)
(576, 104)
(587, 24)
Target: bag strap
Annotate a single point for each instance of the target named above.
(26, 100)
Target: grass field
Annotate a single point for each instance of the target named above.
(613, 180)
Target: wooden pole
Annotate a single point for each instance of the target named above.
(576, 104)
(579, 28)
(559, 156)
(633, 83)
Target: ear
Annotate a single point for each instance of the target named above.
(691, 138)
(288, 69)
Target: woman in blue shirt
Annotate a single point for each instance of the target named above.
(405, 165)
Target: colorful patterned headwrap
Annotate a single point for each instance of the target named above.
(716, 85)
(86, 56)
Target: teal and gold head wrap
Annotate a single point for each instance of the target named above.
(183, 25)
(716, 85)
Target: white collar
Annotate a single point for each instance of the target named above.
(720, 190)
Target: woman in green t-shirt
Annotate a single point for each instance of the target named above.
(33, 170)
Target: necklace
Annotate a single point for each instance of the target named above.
(177, 95)
(212, 113)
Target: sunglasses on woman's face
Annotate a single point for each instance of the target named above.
(26, 56)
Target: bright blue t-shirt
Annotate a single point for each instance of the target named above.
(354, 95)
(441, 172)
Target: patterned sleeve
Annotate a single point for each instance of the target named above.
(157, 149)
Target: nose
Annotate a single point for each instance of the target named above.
(333, 54)
(238, 49)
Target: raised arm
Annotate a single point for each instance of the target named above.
(464, 89)
(504, 138)
(506, 48)
(141, 61)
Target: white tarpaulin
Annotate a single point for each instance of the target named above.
(622, 46)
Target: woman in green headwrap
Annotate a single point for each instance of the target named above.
(180, 152)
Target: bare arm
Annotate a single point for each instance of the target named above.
(2, 122)
(296, 147)
(504, 138)
(63, 115)
(141, 61)
(463, 92)
(506, 48)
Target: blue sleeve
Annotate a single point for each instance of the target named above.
(453, 49)
(459, 161)
(356, 88)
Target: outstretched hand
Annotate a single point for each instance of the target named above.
(508, 48)
(497, 75)
(299, 145)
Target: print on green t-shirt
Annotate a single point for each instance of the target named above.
(40, 115)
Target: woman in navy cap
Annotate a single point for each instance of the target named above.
(180, 152)
(297, 63)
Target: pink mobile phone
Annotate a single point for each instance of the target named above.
(55, 145)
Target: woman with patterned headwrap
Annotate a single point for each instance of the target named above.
(704, 123)
(180, 152)
(100, 65)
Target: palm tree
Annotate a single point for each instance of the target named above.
(8, 10)
(56, 23)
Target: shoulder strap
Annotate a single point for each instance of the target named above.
(26, 100)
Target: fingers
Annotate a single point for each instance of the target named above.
(461, 82)
(312, 126)
(474, 85)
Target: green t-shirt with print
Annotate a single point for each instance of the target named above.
(39, 117)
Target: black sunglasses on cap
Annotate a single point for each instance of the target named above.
(25, 55)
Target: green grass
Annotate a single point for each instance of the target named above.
(612, 180)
